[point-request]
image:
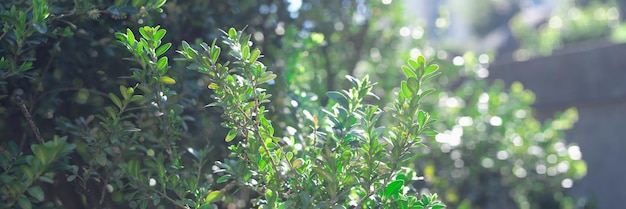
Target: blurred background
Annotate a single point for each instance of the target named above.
(530, 102)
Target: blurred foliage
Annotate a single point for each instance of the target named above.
(570, 23)
(494, 153)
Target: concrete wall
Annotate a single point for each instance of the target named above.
(593, 79)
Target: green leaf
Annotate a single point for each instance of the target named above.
(430, 69)
(13, 148)
(159, 35)
(405, 90)
(212, 196)
(130, 37)
(266, 78)
(114, 10)
(394, 188)
(162, 49)
(231, 135)
(159, 3)
(162, 63)
(422, 117)
(116, 100)
(232, 33)
(339, 98)
(24, 203)
(408, 72)
(216, 53)
(37, 193)
(167, 80)
(255, 55)
(245, 52)
(421, 60)
(414, 64)
(223, 179)
(101, 159)
(41, 28)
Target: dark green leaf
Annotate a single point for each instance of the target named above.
(24, 203)
(13, 148)
(40, 27)
(339, 98)
(114, 10)
(37, 193)
(116, 100)
(129, 10)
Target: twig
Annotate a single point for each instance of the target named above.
(20, 103)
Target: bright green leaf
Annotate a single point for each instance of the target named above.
(212, 196)
(167, 80)
(231, 135)
(394, 188)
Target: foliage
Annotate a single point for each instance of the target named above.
(130, 152)
(570, 23)
(496, 153)
(288, 172)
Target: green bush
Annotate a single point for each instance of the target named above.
(129, 153)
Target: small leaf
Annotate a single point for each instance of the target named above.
(114, 10)
(405, 90)
(41, 28)
(231, 135)
(232, 33)
(116, 100)
(223, 179)
(159, 34)
(297, 163)
(37, 193)
(212, 196)
(394, 188)
(130, 37)
(13, 148)
(255, 55)
(245, 52)
(408, 72)
(266, 78)
(421, 60)
(167, 80)
(24, 203)
(162, 63)
(216, 53)
(162, 49)
(430, 69)
(414, 64)
(339, 98)
(101, 159)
